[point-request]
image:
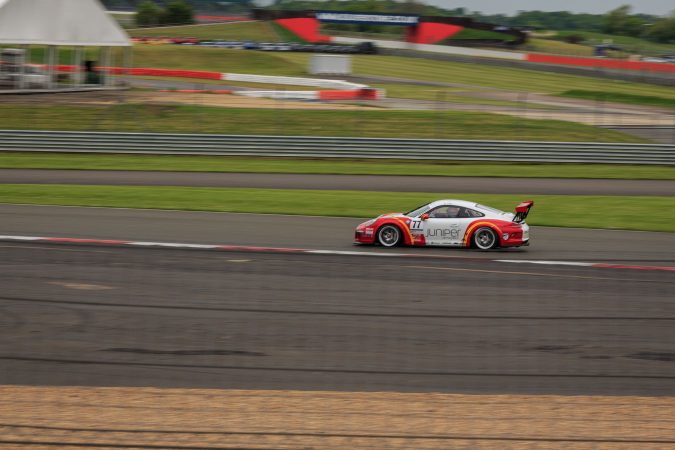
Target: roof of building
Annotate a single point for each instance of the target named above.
(59, 22)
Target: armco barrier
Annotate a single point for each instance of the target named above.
(331, 147)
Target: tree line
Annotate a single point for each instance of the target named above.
(619, 21)
(176, 12)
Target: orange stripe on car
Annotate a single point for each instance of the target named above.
(472, 227)
(405, 227)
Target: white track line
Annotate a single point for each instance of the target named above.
(239, 248)
(547, 263)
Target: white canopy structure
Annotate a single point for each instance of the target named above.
(57, 23)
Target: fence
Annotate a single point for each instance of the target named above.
(331, 147)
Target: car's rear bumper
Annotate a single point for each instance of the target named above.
(515, 243)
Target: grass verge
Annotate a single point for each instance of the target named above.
(550, 210)
(177, 163)
(497, 77)
(296, 122)
(236, 31)
(633, 99)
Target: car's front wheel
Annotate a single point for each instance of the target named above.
(485, 238)
(389, 236)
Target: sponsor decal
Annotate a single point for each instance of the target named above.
(382, 19)
(444, 233)
(369, 232)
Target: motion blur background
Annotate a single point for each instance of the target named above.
(177, 268)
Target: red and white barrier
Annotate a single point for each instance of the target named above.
(618, 64)
(343, 90)
(293, 81)
(352, 94)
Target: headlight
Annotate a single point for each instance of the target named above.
(367, 224)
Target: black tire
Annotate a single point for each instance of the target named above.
(485, 238)
(389, 236)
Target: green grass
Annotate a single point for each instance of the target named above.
(245, 31)
(77, 161)
(216, 59)
(464, 74)
(198, 83)
(469, 33)
(445, 94)
(621, 98)
(366, 123)
(296, 64)
(497, 77)
(549, 210)
(285, 35)
(556, 47)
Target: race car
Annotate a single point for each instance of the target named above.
(450, 223)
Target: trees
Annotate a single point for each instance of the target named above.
(663, 30)
(621, 21)
(177, 12)
(148, 14)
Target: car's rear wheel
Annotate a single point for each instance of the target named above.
(389, 236)
(485, 238)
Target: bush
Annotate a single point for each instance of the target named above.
(574, 38)
(148, 14)
(177, 12)
(663, 31)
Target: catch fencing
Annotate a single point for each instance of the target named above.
(333, 147)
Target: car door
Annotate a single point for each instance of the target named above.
(444, 226)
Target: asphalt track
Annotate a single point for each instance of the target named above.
(322, 233)
(106, 316)
(387, 183)
(103, 316)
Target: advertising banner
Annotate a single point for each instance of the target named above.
(367, 18)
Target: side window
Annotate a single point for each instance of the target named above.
(468, 212)
(440, 212)
(445, 212)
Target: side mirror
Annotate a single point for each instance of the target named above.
(424, 216)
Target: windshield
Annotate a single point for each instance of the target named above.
(417, 211)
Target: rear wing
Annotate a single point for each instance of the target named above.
(522, 210)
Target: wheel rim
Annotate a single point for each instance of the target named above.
(485, 239)
(388, 236)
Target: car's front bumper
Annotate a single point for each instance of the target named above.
(364, 235)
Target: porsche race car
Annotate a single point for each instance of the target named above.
(451, 223)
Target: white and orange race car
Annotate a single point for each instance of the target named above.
(451, 223)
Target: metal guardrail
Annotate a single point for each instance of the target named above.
(333, 147)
